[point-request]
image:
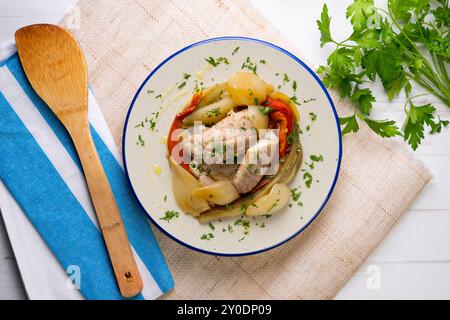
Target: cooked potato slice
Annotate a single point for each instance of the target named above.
(213, 94)
(277, 199)
(246, 88)
(183, 184)
(221, 192)
(212, 113)
(259, 120)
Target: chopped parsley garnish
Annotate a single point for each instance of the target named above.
(212, 61)
(294, 99)
(243, 223)
(181, 85)
(186, 76)
(310, 165)
(262, 61)
(169, 215)
(296, 193)
(215, 62)
(211, 226)
(316, 158)
(198, 86)
(165, 198)
(140, 125)
(152, 121)
(265, 110)
(249, 65)
(214, 112)
(256, 100)
(309, 100)
(158, 96)
(313, 116)
(307, 178)
(274, 204)
(149, 91)
(207, 236)
(140, 141)
(294, 85)
(285, 78)
(235, 51)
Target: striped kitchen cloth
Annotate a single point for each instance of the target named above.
(40, 168)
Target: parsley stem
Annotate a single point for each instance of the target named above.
(342, 44)
(425, 85)
(413, 97)
(436, 82)
(443, 68)
(434, 58)
(433, 77)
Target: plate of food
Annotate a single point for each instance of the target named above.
(232, 146)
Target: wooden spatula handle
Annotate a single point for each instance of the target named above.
(110, 221)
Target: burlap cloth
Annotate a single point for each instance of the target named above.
(124, 40)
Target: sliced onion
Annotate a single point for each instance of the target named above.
(277, 199)
(221, 192)
(183, 184)
(212, 113)
(213, 94)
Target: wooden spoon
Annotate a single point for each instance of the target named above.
(56, 68)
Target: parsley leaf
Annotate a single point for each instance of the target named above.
(405, 46)
(358, 12)
(350, 123)
(418, 116)
(169, 215)
(437, 127)
(384, 128)
(363, 99)
(324, 26)
(341, 59)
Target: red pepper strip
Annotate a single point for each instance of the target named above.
(284, 107)
(282, 121)
(261, 184)
(178, 123)
(194, 103)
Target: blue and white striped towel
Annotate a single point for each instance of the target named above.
(39, 167)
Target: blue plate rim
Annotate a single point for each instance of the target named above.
(292, 56)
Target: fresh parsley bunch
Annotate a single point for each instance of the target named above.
(408, 42)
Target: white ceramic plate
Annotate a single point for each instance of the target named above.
(164, 93)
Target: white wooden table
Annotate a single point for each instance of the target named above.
(413, 262)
